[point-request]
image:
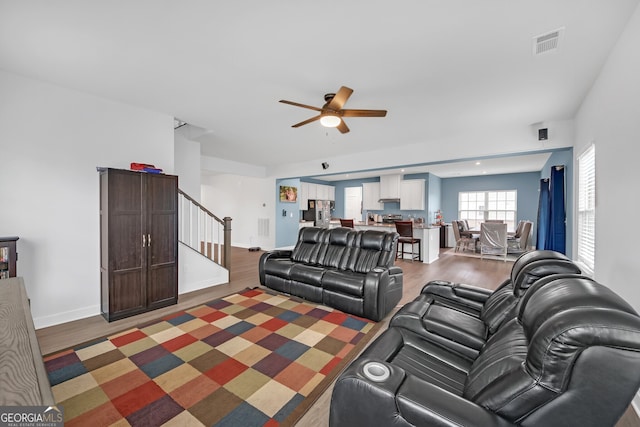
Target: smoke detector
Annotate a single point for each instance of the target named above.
(547, 42)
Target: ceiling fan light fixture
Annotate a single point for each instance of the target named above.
(331, 114)
(329, 120)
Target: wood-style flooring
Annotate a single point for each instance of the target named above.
(244, 273)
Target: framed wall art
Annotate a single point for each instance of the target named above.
(288, 194)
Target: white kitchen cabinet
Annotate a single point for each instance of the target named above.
(303, 196)
(322, 192)
(390, 186)
(309, 191)
(371, 195)
(313, 191)
(412, 194)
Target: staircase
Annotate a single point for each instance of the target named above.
(204, 232)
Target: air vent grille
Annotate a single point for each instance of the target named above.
(547, 42)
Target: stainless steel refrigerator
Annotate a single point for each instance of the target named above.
(319, 211)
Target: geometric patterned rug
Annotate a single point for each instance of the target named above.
(254, 358)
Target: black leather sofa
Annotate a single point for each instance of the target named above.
(351, 270)
(450, 314)
(570, 357)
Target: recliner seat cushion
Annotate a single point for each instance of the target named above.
(279, 267)
(420, 358)
(346, 282)
(309, 274)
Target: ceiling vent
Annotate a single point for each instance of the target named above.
(547, 42)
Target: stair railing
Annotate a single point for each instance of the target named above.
(203, 231)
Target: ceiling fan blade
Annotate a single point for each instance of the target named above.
(364, 113)
(342, 127)
(300, 105)
(339, 99)
(312, 119)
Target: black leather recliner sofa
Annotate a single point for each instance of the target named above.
(351, 270)
(570, 357)
(448, 313)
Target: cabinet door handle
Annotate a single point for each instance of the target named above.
(149, 240)
(144, 240)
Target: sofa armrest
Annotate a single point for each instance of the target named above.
(401, 400)
(422, 403)
(277, 254)
(469, 296)
(382, 291)
(395, 270)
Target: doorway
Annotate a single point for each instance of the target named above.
(353, 203)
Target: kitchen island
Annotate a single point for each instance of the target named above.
(429, 235)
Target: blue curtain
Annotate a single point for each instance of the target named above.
(543, 214)
(556, 238)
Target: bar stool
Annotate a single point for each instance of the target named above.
(346, 223)
(405, 230)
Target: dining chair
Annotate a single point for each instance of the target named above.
(518, 230)
(519, 242)
(464, 239)
(346, 223)
(493, 239)
(405, 230)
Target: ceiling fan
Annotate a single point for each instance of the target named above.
(331, 113)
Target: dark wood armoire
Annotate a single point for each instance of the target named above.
(138, 242)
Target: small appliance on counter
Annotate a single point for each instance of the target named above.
(391, 218)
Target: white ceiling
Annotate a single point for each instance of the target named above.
(440, 68)
(456, 169)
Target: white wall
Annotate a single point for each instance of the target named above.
(51, 140)
(610, 117)
(245, 199)
(197, 272)
(187, 165)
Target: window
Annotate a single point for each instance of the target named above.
(479, 206)
(587, 209)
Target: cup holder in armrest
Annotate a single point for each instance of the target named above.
(376, 371)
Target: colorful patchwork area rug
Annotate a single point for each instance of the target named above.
(250, 359)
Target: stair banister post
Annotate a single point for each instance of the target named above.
(227, 243)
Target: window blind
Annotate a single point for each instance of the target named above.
(587, 208)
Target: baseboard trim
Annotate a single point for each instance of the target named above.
(635, 403)
(66, 316)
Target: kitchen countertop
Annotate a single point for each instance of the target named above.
(390, 225)
(379, 224)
